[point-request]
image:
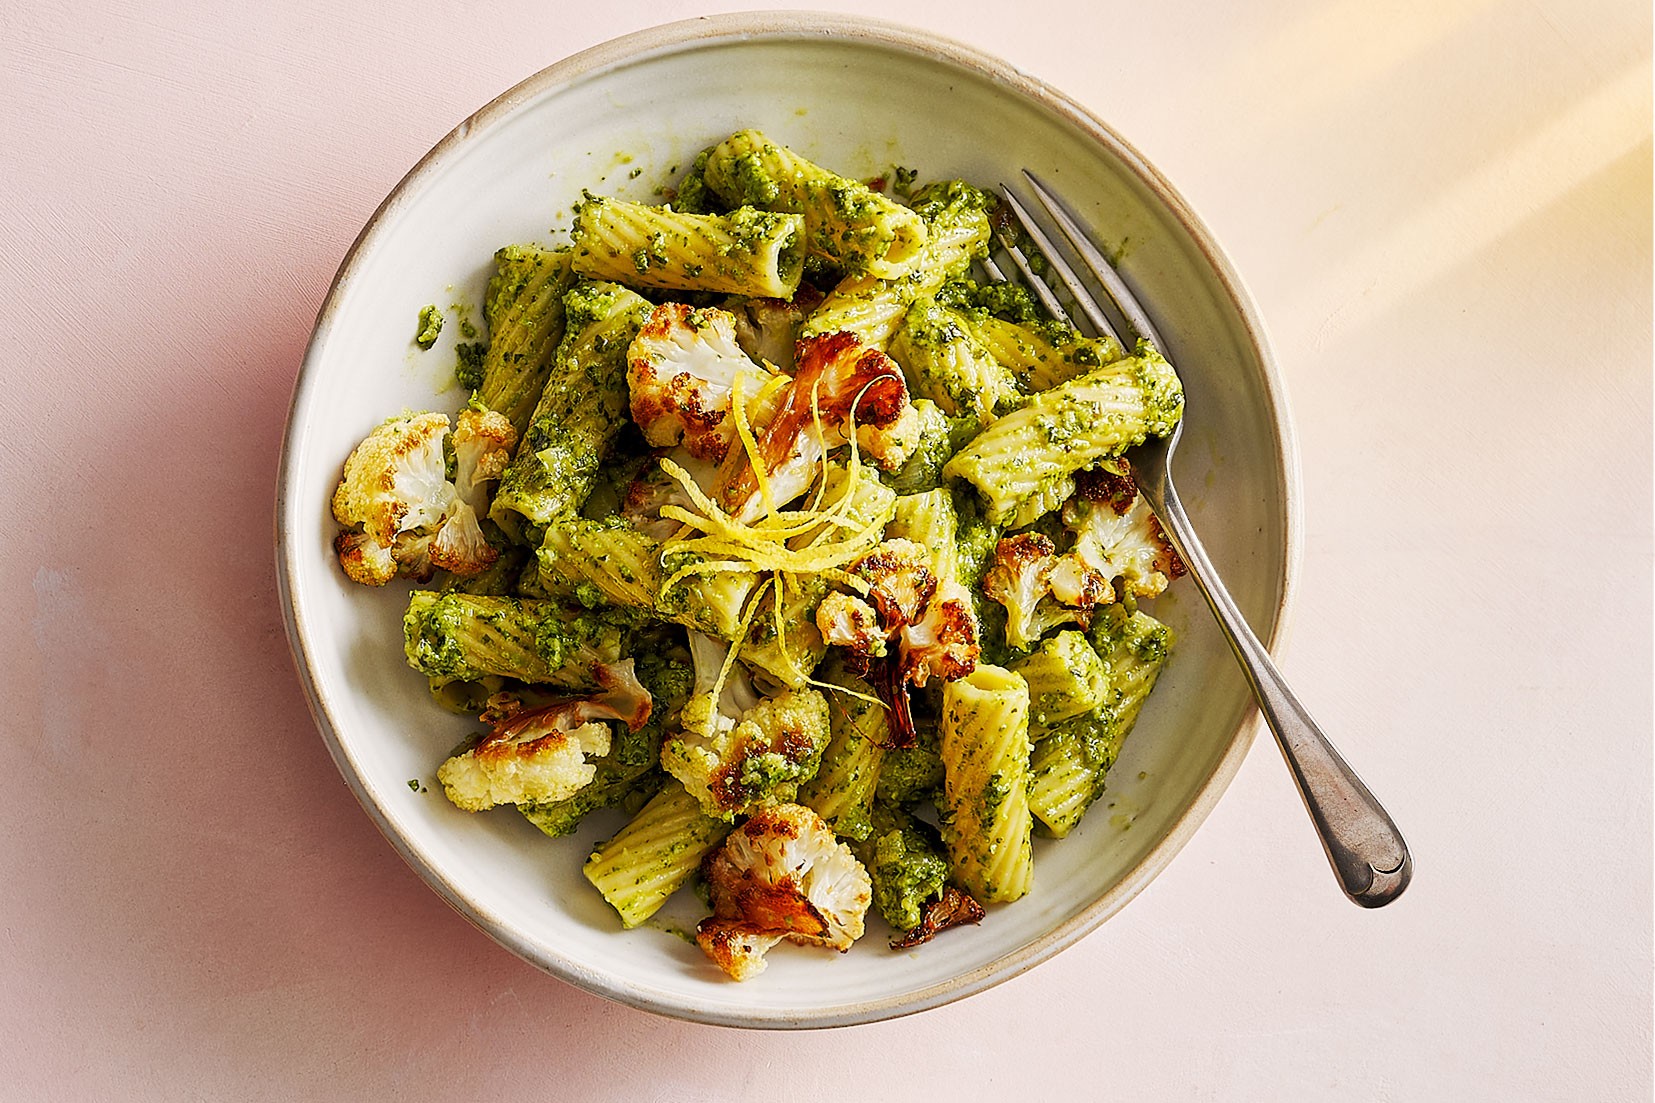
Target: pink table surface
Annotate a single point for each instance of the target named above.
(1442, 207)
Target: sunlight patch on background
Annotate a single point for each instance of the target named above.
(1555, 158)
(1335, 51)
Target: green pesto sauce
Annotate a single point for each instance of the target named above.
(430, 326)
(468, 363)
(906, 873)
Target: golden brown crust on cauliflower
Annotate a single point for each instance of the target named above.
(838, 381)
(1027, 576)
(1118, 537)
(781, 874)
(527, 760)
(402, 514)
(845, 620)
(932, 620)
(900, 581)
(393, 481)
(540, 754)
(681, 369)
(943, 643)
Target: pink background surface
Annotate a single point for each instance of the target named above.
(1443, 209)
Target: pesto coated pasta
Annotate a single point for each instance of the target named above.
(775, 552)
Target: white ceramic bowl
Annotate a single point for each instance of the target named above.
(858, 97)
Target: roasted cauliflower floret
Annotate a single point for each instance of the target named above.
(923, 622)
(743, 750)
(1117, 536)
(483, 440)
(856, 384)
(539, 755)
(943, 643)
(781, 874)
(900, 580)
(401, 512)
(1025, 576)
(840, 387)
(527, 760)
(395, 481)
(845, 620)
(775, 746)
(681, 369)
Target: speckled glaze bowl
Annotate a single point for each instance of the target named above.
(619, 118)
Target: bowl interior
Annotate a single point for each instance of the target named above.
(621, 119)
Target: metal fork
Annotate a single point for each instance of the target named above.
(1364, 846)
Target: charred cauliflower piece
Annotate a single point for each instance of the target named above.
(529, 759)
(538, 755)
(743, 750)
(681, 369)
(928, 616)
(401, 512)
(900, 580)
(840, 388)
(943, 643)
(1117, 536)
(781, 874)
(482, 442)
(845, 620)
(1026, 577)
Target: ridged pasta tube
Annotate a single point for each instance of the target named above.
(985, 758)
(745, 252)
(848, 224)
(524, 310)
(843, 788)
(1070, 764)
(583, 406)
(929, 519)
(464, 637)
(945, 362)
(1032, 358)
(1026, 454)
(1066, 679)
(625, 567)
(655, 853)
(611, 556)
(956, 216)
(793, 653)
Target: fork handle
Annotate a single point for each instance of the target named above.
(1364, 846)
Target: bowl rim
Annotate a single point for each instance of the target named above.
(694, 33)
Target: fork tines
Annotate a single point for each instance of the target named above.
(1136, 323)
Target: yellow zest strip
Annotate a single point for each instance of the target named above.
(776, 606)
(741, 634)
(761, 473)
(713, 518)
(852, 471)
(859, 695)
(727, 557)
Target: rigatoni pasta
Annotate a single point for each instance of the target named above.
(985, 760)
(847, 224)
(745, 252)
(824, 626)
(654, 854)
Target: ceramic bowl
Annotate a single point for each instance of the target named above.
(619, 118)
